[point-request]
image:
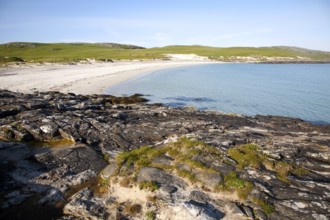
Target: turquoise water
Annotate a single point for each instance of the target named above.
(295, 90)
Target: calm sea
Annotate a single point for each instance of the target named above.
(295, 90)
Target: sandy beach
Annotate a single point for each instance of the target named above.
(79, 79)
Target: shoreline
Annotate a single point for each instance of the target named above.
(82, 79)
(86, 141)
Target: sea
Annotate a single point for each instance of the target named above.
(294, 90)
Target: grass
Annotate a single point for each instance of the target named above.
(150, 215)
(149, 185)
(300, 171)
(248, 156)
(186, 175)
(266, 207)
(69, 52)
(233, 183)
(183, 152)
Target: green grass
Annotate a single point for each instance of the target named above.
(233, 183)
(74, 52)
(150, 215)
(246, 156)
(149, 185)
(266, 207)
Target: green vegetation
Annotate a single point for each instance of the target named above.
(233, 183)
(248, 156)
(149, 185)
(266, 207)
(184, 165)
(75, 52)
(150, 215)
(185, 155)
(186, 174)
(300, 171)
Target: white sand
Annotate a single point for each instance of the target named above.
(79, 79)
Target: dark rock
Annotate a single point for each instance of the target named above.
(202, 211)
(199, 197)
(84, 205)
(107, 129)
(78, 159)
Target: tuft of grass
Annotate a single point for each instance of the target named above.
(150, 215)
(300, 171)
(186, 174)
(149, 185)
(233, 183)
(283, 169)
(246, 156)
(266, 207)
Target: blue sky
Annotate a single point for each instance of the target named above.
(150, 23)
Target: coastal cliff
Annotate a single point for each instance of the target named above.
(67, 156)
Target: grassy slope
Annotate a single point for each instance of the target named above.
(61, 52)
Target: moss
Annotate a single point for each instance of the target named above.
(266, 207)
(149, 185)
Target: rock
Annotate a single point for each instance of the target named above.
(80, 132)
(84, 205)
(234, 209)
(48, 129)
(109, 170)
(77, 159)
(199, 197)
(260, 214)
(248, 211)
(201, 211)
(211, 180)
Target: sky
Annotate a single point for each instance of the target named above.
(151, 23)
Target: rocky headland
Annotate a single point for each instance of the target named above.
(67, 156)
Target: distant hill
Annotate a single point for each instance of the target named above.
(17, 52)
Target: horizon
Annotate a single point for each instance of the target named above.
(238, 23)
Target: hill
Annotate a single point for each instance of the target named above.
(75, 52)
